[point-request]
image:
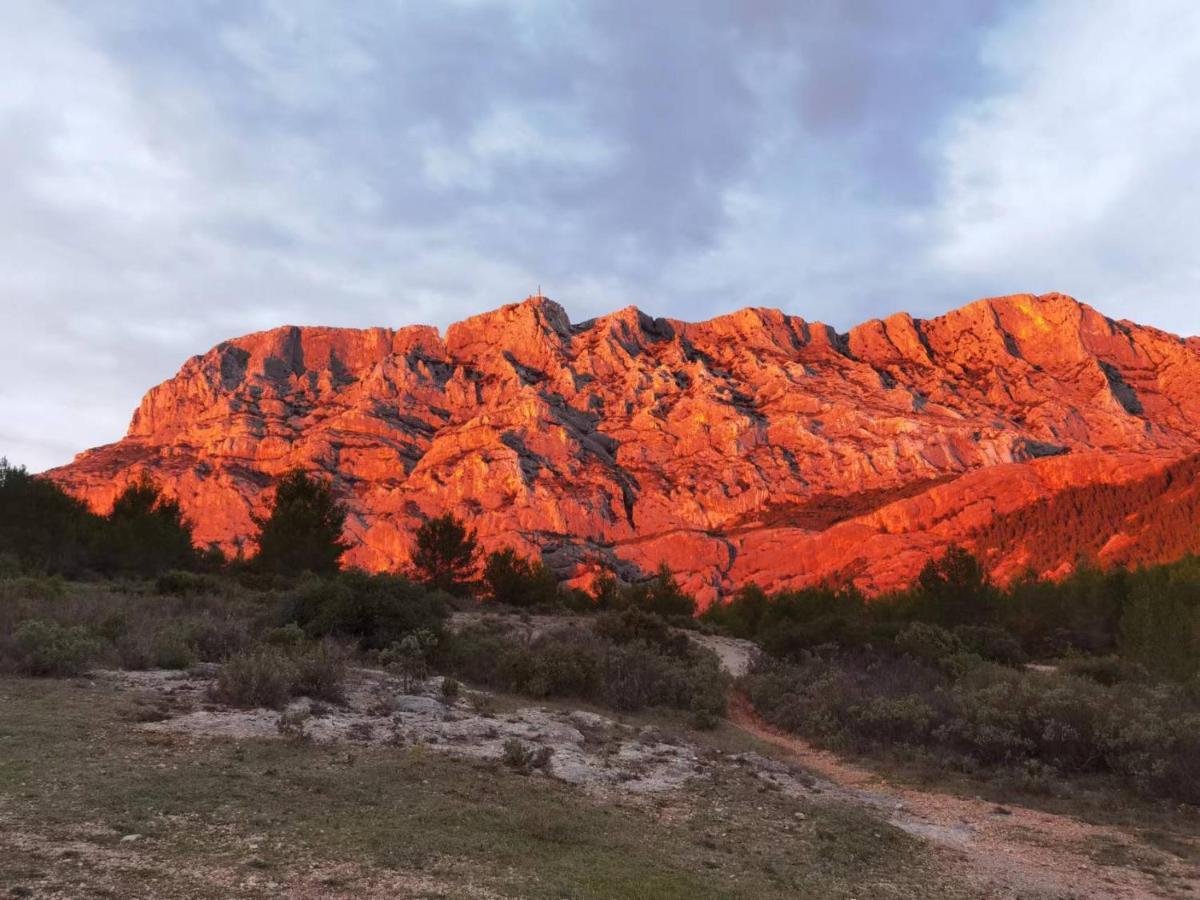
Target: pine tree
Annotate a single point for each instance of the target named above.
(444, 557)
(303, 531)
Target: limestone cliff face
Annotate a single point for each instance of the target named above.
(752, 446)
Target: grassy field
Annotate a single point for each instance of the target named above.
(92, 807)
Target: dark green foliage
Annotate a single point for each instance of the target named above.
(42, 529)
(1080, 613)
(989, 718)
(444, 556)
(1160, 622)
(742, 617)
(145, 534)
(991, 643)
(320, 671)
(953, 590)
(303, 532)
(663, 596)
(1150, 617)
(589, 664)
(635, 624)
(47, 648)
(269, 676)
(1105, 670)
(790, 622)
(260, 677)
(373, 610)
(929, 644)
(660, 595)
(182, 584)
(512, 580)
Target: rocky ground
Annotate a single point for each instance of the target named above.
(1002, 851)
(576, 746)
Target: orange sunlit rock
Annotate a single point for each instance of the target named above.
(754, 446)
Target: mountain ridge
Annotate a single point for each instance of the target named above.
(626, 441)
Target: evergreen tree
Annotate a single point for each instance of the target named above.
(42, 528)
(515, 581)
(663, 595)
(955, 589)
(303, 531)
(146, 533)
(444, 557)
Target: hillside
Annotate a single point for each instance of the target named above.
(755, 445)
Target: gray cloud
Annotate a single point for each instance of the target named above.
(177, 174)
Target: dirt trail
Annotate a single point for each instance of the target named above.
(1009, 852)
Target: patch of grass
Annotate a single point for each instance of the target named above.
(71, 766)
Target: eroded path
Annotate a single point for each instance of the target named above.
(1006, 851)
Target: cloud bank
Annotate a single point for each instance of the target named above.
(178, 174)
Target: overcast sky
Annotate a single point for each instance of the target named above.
(178, 173)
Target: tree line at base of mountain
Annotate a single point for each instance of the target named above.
(938, 673)
(1148, 616)
(45, 531)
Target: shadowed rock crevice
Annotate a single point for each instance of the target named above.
(1121, 390)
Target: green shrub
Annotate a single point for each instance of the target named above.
(320, 672)
(44, 588)
(409, 657)
(525, 759)
(170, 649)
(145, 534)
(929, 643)
(444, 555)
(1106, 670)
(588, 665)
(258, 677)
(376, 611)
(636, 624)
(289, 635)
(991, 643)
(215, 637)
(663, 596)
(515, 581)
(303, 531)
(49, 649)
(182, 584)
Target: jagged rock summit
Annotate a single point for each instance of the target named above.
(753, 446)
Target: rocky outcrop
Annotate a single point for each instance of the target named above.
(755, 445)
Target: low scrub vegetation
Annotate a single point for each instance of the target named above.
(1148, 618)
(929, 698)
(625, 662)
(271, 676)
